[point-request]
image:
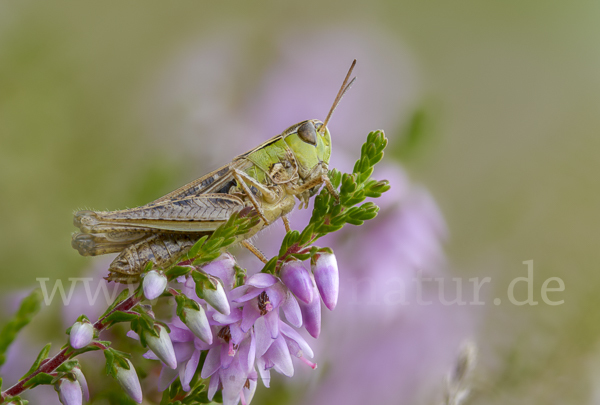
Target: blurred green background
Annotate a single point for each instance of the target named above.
(505, 135)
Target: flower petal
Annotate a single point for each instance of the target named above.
(213, 386)
(238, 292)
(233, 380)
(69, 392)
(189, 371)
(311, 315)
(262, 280)
(162, 347)
(166, 378)
(237, 334)
(234, 316)
(83, 382)
(252, 351)
(277, 293)
(295, 276)
(279, 354)
(249, 392)
(197, 321)
(250, 293)
(250, 314)
(81, 335)
(264, 371)
(223, 268)
(133, 335)
(183, 351)
(150, 355)
(272, 322)
(327, 278)
(179, 334)
(246, 354)
(300, 344)
(291, 310)
(129, 381)
(217, 298)
(263, 336)
(154, 284)
(212, 362)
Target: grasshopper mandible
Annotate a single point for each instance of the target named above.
(267, 179)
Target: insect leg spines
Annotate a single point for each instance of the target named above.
(101, 244)
(161, 249)
(256, 251)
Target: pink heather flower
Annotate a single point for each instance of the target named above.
(82, 382)
(261, 296)
(222, 274)
(217, 298)
(245, 395)
(231, 369)
(69, 392)
(296, 278)
(81, 334)
(130, 382)
(187, 349)
(311, 315)
(197, 322)
(327, 278)
(154, 284)
(291, 310)
(162, 347)
(276, 353)
(223, 268)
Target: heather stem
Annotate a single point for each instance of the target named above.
(65, 354)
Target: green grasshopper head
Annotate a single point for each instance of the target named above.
(311, 145)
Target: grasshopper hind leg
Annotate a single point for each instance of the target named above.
(102, 244)
(160, 249)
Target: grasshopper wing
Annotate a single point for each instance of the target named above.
(216, 182)
(196, 213)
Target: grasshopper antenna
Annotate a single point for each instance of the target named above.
(345, 87)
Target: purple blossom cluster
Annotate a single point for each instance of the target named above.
(247, 330)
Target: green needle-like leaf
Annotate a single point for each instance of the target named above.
(29, 307)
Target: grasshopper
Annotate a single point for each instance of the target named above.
(267, 179)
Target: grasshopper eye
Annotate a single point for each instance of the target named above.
(308, 133)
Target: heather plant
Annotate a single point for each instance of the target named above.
(229, 328)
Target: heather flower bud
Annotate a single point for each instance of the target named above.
(129, 381)
(162, 347)
(223, 268)
(82, 382)
(327, 278)
(154, 284)
(69, 392)
(81, 334)
(197, 321)
(217, 298)
(297, 279)
(311, 315)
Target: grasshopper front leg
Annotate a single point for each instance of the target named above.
(248, 245)
(268, 195)
(316, 182)
(286, 223)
